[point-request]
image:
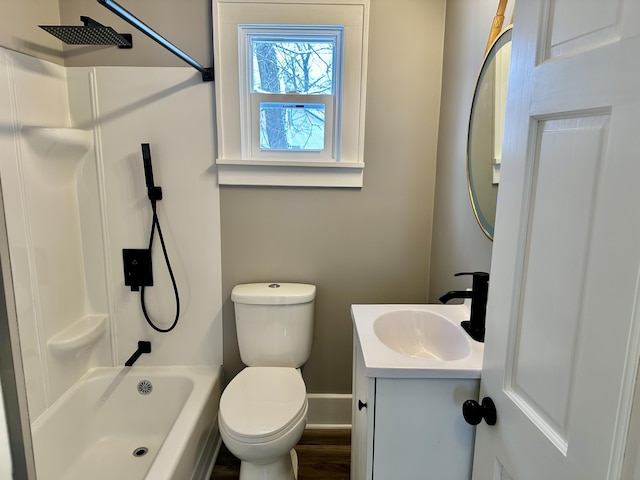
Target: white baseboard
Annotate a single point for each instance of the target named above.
(329, 410)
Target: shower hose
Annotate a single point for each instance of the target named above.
(155, 225)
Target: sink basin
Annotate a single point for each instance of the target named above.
(416, 341)
(422, 334)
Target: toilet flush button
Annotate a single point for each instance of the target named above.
(274, 285)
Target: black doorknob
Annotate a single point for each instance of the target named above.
(361, 405)
(473, 412)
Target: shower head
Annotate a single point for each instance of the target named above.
(91, 33)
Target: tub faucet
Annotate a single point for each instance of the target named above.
(143, 347)
(478, 295)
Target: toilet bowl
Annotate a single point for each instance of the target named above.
(263, 412)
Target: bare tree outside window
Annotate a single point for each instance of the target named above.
(290, 67)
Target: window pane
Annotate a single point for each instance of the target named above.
(292, 66)
(291, 126)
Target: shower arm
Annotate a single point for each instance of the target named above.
(207, 73)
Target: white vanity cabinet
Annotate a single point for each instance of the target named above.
(410, 428)
(363, 403)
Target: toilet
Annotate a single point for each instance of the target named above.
(263, 410)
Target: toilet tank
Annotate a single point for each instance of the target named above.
(274, 323)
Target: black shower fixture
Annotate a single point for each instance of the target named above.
(207, 73)
(138, 272)
(91, 33)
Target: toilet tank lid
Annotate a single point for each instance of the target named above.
(273, 293)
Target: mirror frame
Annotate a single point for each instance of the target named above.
(499, 41)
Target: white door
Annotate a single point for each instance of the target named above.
(563, 320)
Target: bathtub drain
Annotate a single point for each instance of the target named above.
(140, 451)
(145, 387)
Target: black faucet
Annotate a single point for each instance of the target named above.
(143, 347)
(478, 295)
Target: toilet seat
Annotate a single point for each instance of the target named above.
(262, 403)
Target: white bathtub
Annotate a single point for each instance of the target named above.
(99, 428)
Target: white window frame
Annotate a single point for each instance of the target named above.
(240, 160)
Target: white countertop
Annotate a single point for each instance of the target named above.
(382, 361)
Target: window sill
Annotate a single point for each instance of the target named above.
(290, 173)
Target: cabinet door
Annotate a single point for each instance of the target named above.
(420, 431)
(361, 418)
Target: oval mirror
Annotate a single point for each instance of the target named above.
(486, 125)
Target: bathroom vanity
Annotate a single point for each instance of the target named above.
(411, 374)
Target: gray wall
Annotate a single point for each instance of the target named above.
(458, 243)
(19, 20)
(357, 246)
(186, 24)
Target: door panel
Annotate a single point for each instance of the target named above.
(563, 338)
(568, 158)
(572, 28)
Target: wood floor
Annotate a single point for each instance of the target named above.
(322, 454)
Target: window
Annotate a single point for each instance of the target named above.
(290, 91)
(292, 80)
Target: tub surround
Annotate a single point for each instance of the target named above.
(171, 109)
(74, 179)
(49, 180)
(72, 173)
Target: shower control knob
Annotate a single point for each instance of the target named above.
(473, 412)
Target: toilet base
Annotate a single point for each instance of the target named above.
(282, 468)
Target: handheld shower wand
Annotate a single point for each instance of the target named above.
(154, 193)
